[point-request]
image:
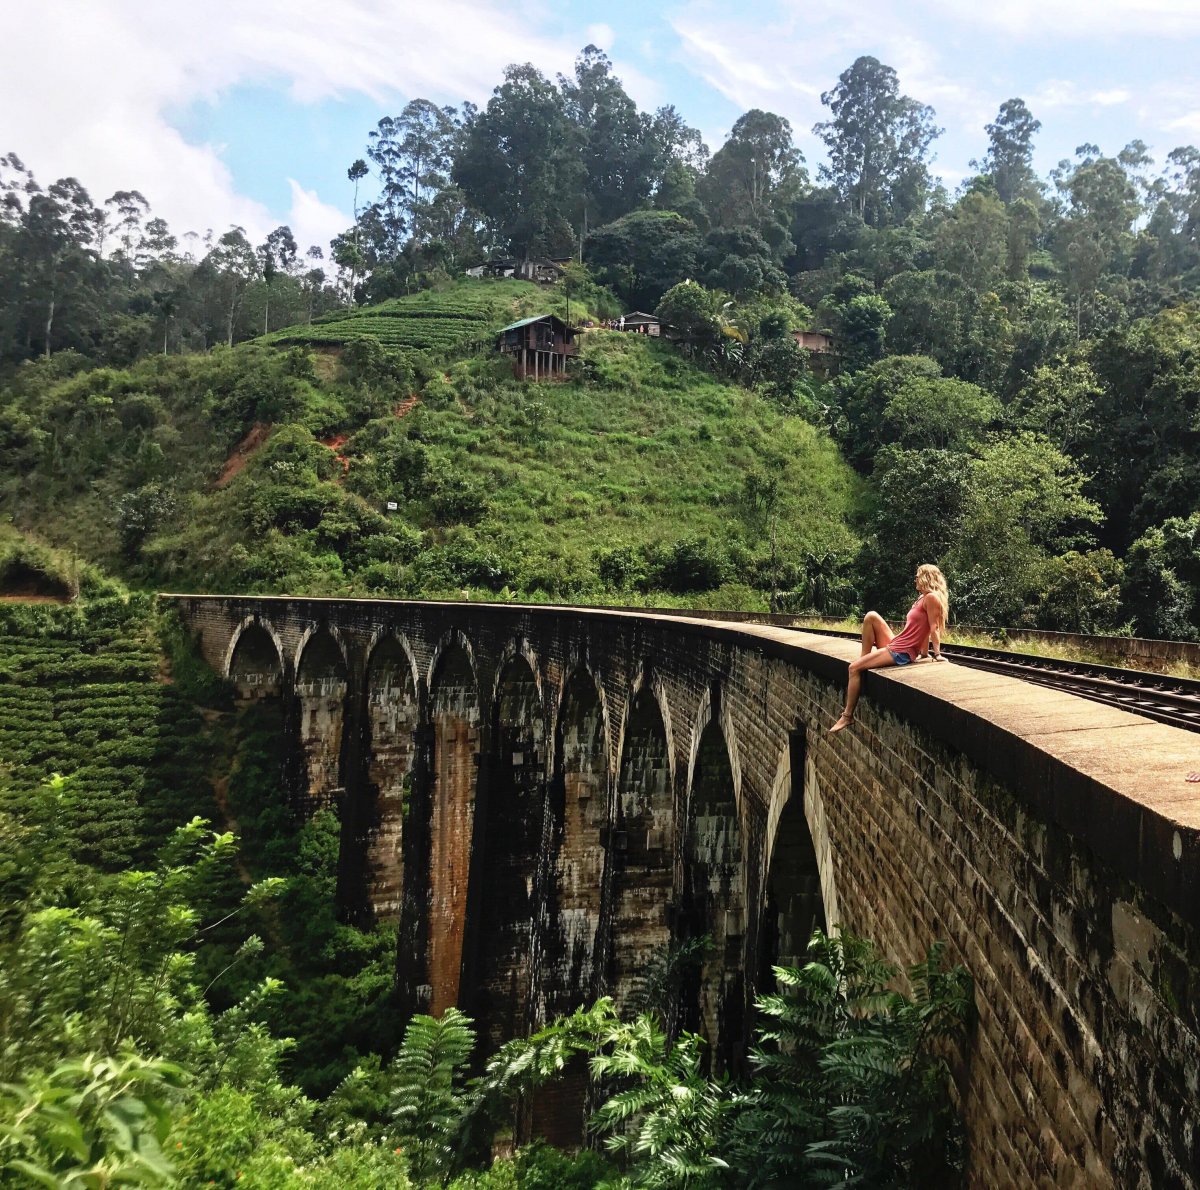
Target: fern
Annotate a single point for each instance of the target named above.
(670, 1123)
(429, 1098)
(658, 988)
(525, 1063)
(853, 1084)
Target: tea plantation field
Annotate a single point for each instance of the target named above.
(434, 322)
(81, 694)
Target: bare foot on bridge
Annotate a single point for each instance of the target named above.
(843, 722)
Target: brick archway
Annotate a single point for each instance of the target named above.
(714, 892)
(392, 726)
(254, 661)
(322, 682)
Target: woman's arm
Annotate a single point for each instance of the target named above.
(933, 609)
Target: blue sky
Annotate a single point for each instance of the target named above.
(249, 111)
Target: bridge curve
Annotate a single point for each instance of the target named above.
(546, 797)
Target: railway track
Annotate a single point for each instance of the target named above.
(1169, 700)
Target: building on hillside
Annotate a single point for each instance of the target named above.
(542, 270)
(540, 346)
(640, 324)
(822, 356)
(818, 342)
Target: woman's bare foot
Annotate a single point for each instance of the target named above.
(841, 724)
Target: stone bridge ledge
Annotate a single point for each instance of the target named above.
(1114, 779)
(547, 796)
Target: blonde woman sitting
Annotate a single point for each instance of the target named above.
(921, 636)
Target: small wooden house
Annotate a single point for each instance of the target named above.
(641, 324)
(540, 346)
(818, 342)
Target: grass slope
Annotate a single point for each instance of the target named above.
(588, 482)
(642, 478)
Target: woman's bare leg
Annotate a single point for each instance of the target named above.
(877, 660)
(875, 633)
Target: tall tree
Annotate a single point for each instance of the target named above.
(124, 213)
(1181, 177)
(313, 280)
(426, 139)
(1101, 204)
(235, 265)
(60, 228)
(1009, 160)
(878, 141)
(357, 171)
(972, 241)
(412, 152)
(519, 163)
(616, 146)
(756, 174)
(276, 254)
(390, 208)
(643, 254)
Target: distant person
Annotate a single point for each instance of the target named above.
(921, 636)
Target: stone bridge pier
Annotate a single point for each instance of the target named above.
(548, 799)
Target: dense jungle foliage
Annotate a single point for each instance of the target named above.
(179, 1006)
(1014, 381)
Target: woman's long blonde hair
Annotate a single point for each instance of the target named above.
(931, 581)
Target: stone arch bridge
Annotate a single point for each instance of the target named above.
(545, 798)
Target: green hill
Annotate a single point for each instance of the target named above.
(267, 468)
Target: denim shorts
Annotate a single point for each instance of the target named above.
(900, 658)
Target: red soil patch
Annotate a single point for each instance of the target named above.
(244, 452)
(337, 441)
(335, 444)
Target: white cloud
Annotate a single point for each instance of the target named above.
(87, 87)
(786, 63)
(1062, 93)
(311, 220)
(1079, 19)
(600, 35)
(721, 62)
(1188, 124)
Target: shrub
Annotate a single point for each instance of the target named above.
(689, 564)
(456, 500)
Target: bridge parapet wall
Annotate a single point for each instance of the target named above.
(1049, 841)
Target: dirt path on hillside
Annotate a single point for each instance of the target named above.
(243, 453)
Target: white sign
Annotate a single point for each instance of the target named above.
(392, 505)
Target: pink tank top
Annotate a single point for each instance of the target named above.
(915, 636)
